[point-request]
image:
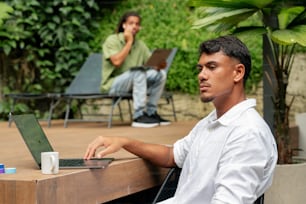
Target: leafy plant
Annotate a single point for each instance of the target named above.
(43, 43)
(283, 25)
(4, 11)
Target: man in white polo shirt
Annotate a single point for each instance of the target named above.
(230, 155)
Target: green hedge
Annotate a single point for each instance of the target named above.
(42, 46)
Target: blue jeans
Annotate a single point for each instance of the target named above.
(146, 87)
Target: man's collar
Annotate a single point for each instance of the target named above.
(232, 114)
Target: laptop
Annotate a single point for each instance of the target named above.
(158, 56)
(37, 142)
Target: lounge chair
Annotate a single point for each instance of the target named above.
(86, 87)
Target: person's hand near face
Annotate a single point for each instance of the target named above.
(128, 33)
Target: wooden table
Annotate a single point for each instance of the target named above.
(125, 176)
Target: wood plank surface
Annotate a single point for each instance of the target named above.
(126, 175)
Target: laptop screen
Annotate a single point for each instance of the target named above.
(33, 135)
(158, 56)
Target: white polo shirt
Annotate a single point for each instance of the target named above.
(226, 160)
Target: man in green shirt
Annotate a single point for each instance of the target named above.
(123, 71)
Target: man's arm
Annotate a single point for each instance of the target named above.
(118, 58)
(160, 155)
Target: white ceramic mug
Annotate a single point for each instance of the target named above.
(49, 162)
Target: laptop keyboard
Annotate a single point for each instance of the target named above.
(71, 162)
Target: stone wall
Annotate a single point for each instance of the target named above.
(297, 85)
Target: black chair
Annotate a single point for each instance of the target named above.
(169, 185)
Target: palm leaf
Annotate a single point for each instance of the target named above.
(247, 31)
(230, 17)
(231, 3)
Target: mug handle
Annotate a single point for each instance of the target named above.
(52, 160)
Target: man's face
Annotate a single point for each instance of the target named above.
(132, 24)
(217, 76)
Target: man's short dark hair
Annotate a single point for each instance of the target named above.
(231, 46)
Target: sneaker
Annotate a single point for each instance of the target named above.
(161, 120)
(145, 121)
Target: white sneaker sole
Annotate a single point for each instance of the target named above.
(144, 125)
(165, 123)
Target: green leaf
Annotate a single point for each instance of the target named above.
(299, 20)
(51, 26)
(4, 11)
(231, 3)
(232, 17)
(7, 49)
(21, 107)
(56, 19)
(287, 15)
(288, 37)
(247, 31)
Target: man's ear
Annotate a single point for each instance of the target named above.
(239, 72)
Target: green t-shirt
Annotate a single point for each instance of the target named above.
(138, 55)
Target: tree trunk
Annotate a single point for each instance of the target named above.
(284, 150)
(268, 106)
